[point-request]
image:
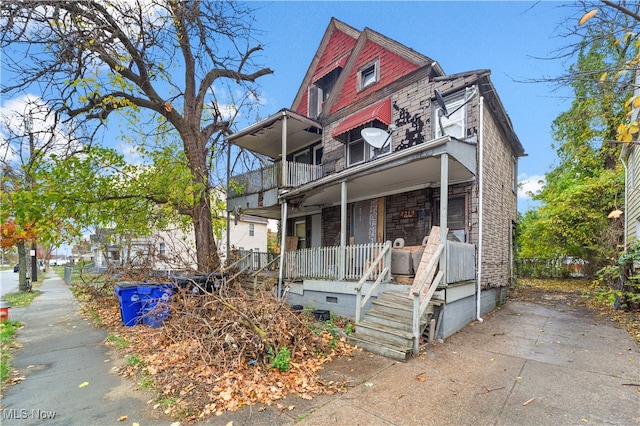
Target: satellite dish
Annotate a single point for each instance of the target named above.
(440, 100)
(375, 137)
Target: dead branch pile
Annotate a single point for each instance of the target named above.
(214, 352)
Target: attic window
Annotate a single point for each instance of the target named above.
(320, 91)
(369, 74)
(453, 125)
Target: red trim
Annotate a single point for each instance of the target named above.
(380, 111)
(326, 70)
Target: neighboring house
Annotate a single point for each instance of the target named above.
(247, 234)
(631, 160)
(372, 157)
(172, 251)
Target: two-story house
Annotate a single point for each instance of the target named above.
(395, 184)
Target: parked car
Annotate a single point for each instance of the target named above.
(16, 268)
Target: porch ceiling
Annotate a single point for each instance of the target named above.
(265, 137)
(410, 169)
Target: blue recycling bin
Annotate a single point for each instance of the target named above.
(130, 306)
(155, 300)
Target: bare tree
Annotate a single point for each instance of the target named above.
(162, 59)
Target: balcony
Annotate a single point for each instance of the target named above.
(258, 188)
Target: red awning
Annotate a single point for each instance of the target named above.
(380, 111)
(327, 69)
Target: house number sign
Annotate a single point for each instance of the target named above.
(405, 214)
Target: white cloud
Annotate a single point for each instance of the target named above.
(529, 185)
(29, 115)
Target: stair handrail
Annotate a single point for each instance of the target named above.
(360, 302)
(255, 274)
(420, 305)
(241, 270)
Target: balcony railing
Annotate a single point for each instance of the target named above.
(270, 177)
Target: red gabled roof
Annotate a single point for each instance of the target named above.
(392, 66)
(335, 47)
(344, 46)
(379, 111)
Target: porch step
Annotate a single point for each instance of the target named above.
(388, 350)
(387, 328)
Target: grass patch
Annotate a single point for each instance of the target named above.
(20, 299)
(133, 360)
(119, 341)
(7, 331)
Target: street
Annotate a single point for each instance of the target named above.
(8, 282)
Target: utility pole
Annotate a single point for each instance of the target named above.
(34, 249)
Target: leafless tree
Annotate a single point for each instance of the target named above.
(163, 61)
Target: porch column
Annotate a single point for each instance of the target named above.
(283, 205)
(343, 229)
(444, 208)
(283, 158)
(283, 242)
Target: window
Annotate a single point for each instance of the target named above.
(252, 230)
(358, 151)
(163, 249)
(317, 154)
(301, 233)
(454, 125)
(320, 91)
(303, 157)
(369, 74)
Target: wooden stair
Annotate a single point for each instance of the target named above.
(386, 329)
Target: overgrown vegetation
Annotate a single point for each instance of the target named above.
(619, 284)
(221, 351)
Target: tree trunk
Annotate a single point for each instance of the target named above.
(206, 250)
(22, 266)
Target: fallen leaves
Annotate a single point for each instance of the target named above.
(214, 352)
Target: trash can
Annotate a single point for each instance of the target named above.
(155, 300)
(201, 284)
(129, 303)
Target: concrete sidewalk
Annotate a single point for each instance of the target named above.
(547, 363)
(68, 374)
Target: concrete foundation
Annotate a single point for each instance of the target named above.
(340, 298)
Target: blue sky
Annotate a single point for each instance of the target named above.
(509, 38)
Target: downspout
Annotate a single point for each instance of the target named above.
(343, 230)
(283, 212)
(480, 208)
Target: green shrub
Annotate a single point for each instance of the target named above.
(282, 360)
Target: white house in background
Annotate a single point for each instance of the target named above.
(248, 233)
(173, 250)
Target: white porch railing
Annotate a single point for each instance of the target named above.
(324, 262)
(270, 177)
